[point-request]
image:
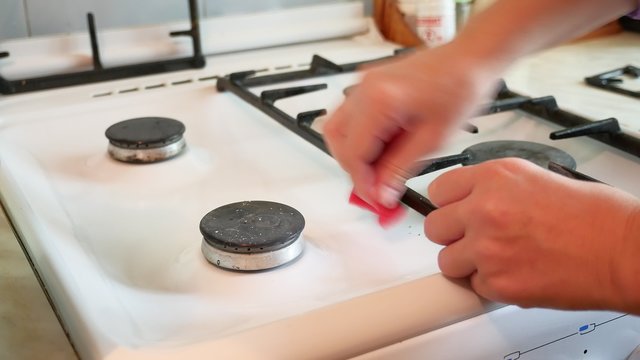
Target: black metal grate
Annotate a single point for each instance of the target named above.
(611, 80)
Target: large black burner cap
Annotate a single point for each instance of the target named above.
(145, 132)
(252, 227)
(539, 154)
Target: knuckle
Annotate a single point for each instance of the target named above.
(494, 213)
(510, 165)
(485, 252)
(502, 290)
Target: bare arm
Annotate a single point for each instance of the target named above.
(510, 29)
(407, 108)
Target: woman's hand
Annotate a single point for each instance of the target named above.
(401, 111)
(530, 237)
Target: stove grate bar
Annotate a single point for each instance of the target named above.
(322, 66)
(304, 74)
(611, 80)
(235, 87)
(435, 164)
(470, 128)
(547, 108)
(570, 173)
(606, 126)
(515, 103)
(5, 85)
(308, 117)
(269, 97)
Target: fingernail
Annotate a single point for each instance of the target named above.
(388, 196)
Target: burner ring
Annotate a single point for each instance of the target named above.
(539, 154)
(252, 235)
(145, 140)
(147, 155)
(252, 261)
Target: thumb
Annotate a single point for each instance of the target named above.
(399, 162)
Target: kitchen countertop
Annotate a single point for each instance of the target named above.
(28, 326)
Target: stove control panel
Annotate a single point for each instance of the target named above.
(512, 333)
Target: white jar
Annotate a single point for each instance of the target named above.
(435, 21)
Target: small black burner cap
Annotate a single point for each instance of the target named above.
(539, 154)
(252, 227)
(145, 133)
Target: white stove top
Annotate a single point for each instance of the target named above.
(118, 245)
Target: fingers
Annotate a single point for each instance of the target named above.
(398, 162)
(453, 185)
(335, 133)
(456, 260)
(360, 130)
(445, 225)
(448, 225)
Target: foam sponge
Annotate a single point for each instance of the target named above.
(386, 216)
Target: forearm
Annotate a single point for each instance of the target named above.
(510, 29)
(626, 294)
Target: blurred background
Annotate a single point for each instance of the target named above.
(24, 18)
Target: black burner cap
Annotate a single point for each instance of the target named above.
(539, 154)
(145, 132)
(252, 227)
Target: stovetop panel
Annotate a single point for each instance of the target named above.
(139, 223)
(119, 245)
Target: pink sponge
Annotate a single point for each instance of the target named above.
(386, 216)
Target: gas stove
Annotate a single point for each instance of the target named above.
(119, 245)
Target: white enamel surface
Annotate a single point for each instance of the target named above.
(119, 248)
(512, 333)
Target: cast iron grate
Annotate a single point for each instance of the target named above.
(611, 80)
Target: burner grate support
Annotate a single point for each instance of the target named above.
(606, 126)
(570, 173)
(548, 109)
(269, 97)
(611, 80)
